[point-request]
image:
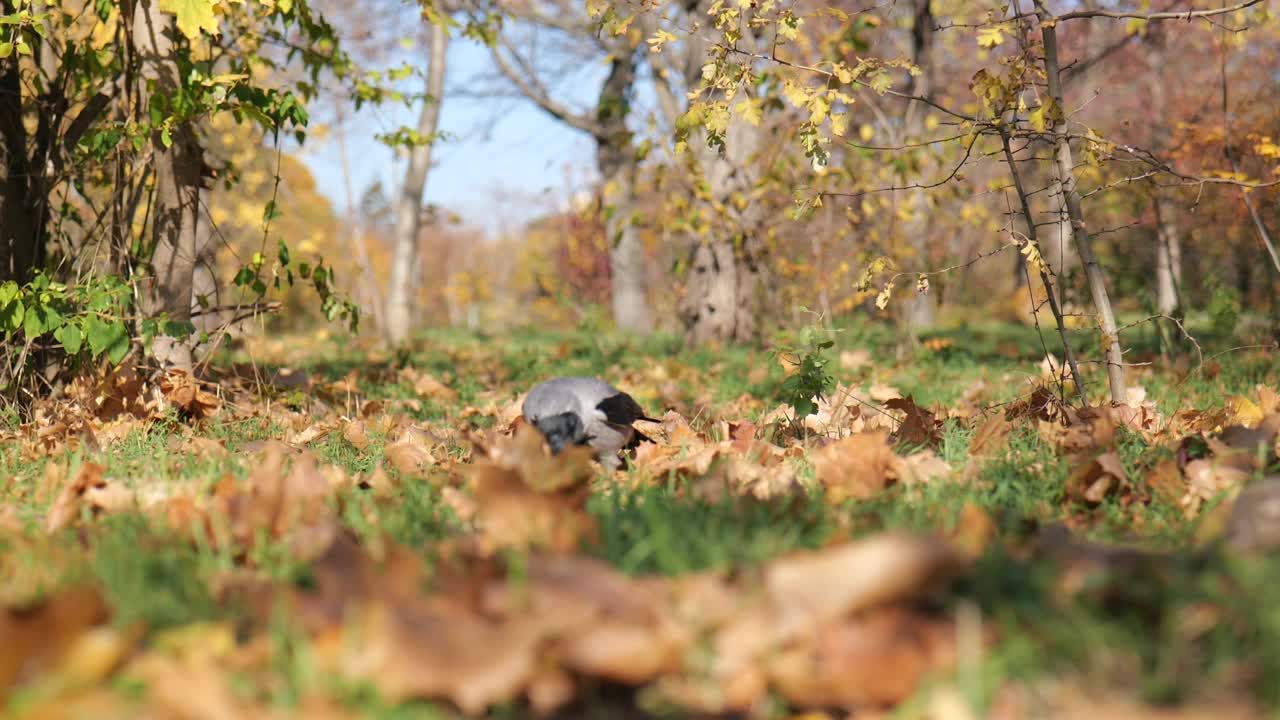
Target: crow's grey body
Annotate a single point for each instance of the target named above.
(584, 411)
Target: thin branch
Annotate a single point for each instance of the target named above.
(1263, 235)
(862, 83)
(531, 88)
(1045, 277)
(914, 186)
(1188, 15)
(1175, 321)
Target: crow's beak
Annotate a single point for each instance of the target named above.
(557, 441)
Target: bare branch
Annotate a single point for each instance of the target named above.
(1263, 235)
(526, 81)
(1188, 15)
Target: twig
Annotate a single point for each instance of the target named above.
(1175, 321)
(1044, 274)
(1188, 15)
(1263, 235)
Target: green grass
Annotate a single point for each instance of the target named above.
(1134, 621)
(665, 531)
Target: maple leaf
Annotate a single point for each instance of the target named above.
(750, 109)
(989, 37)
(857, 466)
(839, 123)
(184, 392)
(193, 16)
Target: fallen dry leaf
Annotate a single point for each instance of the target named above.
(39, 640)
(67, 505)
(1093, 481)
(1207, 478)
(919, 426)
(356, 433)
(855, 467)
(875, 660)
(183, 391)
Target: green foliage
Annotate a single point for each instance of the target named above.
(218, 59)
(1224, 305)
(810, 380)
(86, 320)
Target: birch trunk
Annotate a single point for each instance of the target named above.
(1063, 189)
(1168, 262)
(918, 311)
(404, 254)
(175, 209)
(1168, 242)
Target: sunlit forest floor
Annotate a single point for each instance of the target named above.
(319, 531)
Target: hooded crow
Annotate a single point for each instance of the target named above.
(585, 411)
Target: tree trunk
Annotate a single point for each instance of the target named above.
(1064, 189)
(175, 210)
(616, 160)
(1168, 242)
(627, 264)
(718, 304)
(21, 223)
(918, 311)
(723, 299)
(1168, 262)
(404, 255)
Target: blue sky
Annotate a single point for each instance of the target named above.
(507, 159)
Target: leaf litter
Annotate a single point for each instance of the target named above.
(513, 606)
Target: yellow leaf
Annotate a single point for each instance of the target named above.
(866, 133)
(989, 37)
(797, 95)
(882, 300)
(1247, 412)
(750, 110)
(660, 38)
(1036, 118)
(193, 16)
(716, 119)
(839, 123)
(1032, 253)
(818, 109)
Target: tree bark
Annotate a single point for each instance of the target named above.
(23, 209)
(1168, 261)
(723, 299)
(1046, 277)
(404, 254)
(1064, 189)
(918, 311)
(1168, 242)
(175, 210)
(627, 264)
(616, 160)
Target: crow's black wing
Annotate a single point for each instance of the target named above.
(622, 409)
(637, 437)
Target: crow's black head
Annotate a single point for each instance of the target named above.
(561, 430)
